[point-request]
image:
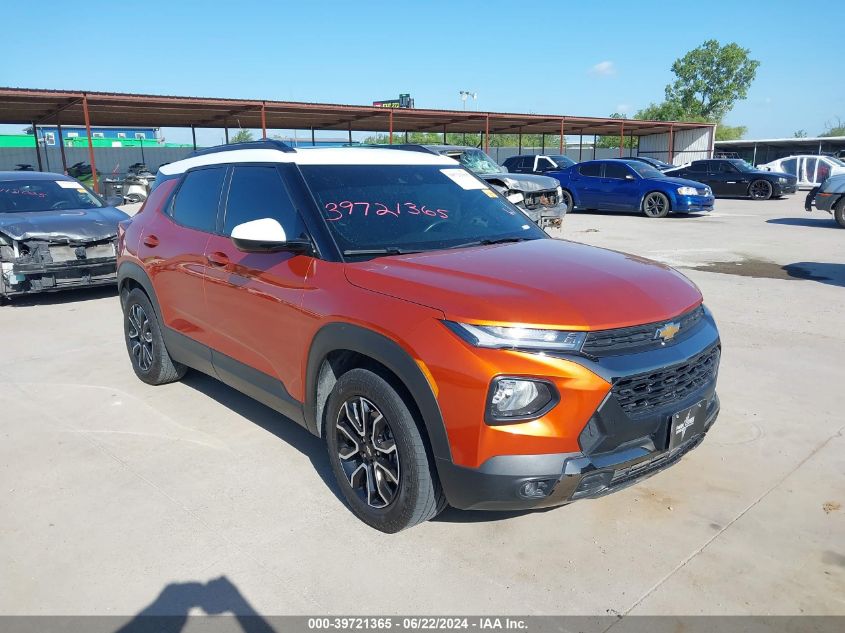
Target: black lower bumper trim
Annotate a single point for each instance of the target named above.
(498, 483)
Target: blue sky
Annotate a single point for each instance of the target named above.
(584, 58)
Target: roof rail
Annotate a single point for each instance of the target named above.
(408, 147)
(262, 144)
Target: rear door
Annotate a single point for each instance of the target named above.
(254, 299)
(586, 180)
(699, 170)
(173, 247)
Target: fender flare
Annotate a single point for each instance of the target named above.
(346, 336)
(131, 270)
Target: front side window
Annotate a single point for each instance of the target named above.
(45, 195)
(617, 171)
(196, 202)
(412, 207)
(257, 193)
(562, 161)
(646, 171)
(727, 168)
(698, 167)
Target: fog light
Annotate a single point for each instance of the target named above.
(536, 489)
(515, 399)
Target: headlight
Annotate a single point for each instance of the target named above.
(687, 191)
(498, 337)
(516, 399)
(559, 193)
(782, 181)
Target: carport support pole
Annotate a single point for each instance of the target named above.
(194, 136)
(349, 129)
(406, 137)
(444, 135)
(543, 143)
(313, 140)
(61, 146)
(671, 143)
(560, 144)
(37, 149)
(595, 142)
(487, 134)
(390, 125)
(519, 151)
(263, 121)
(621, 139)
(226, 131)
(95, 181)
(631, 146)
(580, 146)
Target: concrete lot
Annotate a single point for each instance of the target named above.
(112, 491)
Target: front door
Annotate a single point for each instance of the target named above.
(254, 299)
(727, 179)
(619, 191)
(586, 181)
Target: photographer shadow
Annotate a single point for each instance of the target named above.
(169, 612)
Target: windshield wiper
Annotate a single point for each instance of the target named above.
(488, 242)
(380, 251)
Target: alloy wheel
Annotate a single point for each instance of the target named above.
(761, 189)
(654, 205)
(140, 337)
(367, 451)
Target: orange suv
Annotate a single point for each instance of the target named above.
(392, 303)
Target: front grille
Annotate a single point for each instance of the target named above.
(540, 199)
(703, 192)
(639, 337)
(639, 394)
(649, 466)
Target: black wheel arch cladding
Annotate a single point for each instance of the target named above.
(353, 338)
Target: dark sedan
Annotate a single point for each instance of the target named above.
(657, 164)
(734, 178)
(830, 197)
(54, 234)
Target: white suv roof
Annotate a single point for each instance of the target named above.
(326, 156)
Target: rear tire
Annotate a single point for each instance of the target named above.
(760, 190)
(655, 205)
(378, 455)
(839, 212)
(150, 359)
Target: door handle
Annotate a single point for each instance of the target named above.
(151, 241)
(218, 259)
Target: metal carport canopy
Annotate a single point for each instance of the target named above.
(22, 105)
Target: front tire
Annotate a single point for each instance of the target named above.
(566, 200)
(760, 190)
(377, 454)
(839, 212)
(655, 205)
(150, 359)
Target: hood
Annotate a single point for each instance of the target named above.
(681, 182)
(64, 226)
(542, 282)
(522, 182)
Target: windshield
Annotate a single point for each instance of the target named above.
(412, 207)
(45, 195)
(477, 161)
(562, 161)
(645, 170)
(742, 165)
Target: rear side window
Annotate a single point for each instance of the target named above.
(698, 167)
(590, 169)
(256, 193)
(196, 202)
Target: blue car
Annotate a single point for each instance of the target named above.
(630, 185)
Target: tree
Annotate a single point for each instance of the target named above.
(834, 128)
(534, 141)
(614, 141)
(711, 79)
(241, 136)
(730, 132)
(799, 134)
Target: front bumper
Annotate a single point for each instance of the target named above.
(625, 440)
(497, 484)
(22, 279)
(693, 204)
(546, 216)
(783, 189)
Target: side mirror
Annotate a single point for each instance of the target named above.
(265, 236)
(629, 177)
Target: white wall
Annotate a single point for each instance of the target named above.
(690, 145)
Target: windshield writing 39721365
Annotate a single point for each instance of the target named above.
(367, 209)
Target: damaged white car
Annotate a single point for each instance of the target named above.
(54, 234)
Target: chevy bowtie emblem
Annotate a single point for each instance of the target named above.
(668, 331)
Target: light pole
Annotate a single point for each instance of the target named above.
(466, 93)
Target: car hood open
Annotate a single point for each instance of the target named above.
(542, 282)
(522, 182)
(64, 226)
